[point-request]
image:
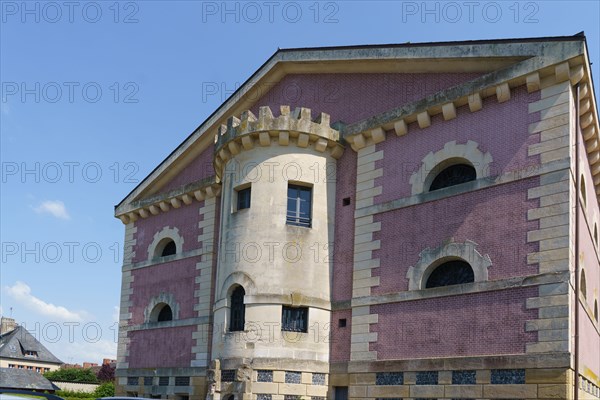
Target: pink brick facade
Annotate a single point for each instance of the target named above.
(390, 231)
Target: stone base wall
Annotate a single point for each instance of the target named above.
(147, 383)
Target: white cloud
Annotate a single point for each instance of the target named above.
(54, 207)
(115, 315)
(21, 293)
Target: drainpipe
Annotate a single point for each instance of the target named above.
(577, 186)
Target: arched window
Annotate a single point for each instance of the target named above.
(169, 249)
(238, 310)
(583, 285)
(453, 272)
(453, 175)
(165, 314)
(161, 312)
(582, 190)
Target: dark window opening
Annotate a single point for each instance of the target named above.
(169, 249)
(294, 319)
(596, 310)
(182, 381)
(342, 322)
(228, 375)
(163, 381)
(147, 381)
(238, 310)
(243, 199)
(346, 201)
(583, 284)
(596, 234)
(341, 392)
(453, 175)
(449, 273)
(165, 314)
(299, 206)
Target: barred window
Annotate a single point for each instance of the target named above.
(294, 319)
(263, 397)
(264, 375)
(291, 397)
(508, 376)
(453, 175)
(163, 381)
(463, 377)
(299, 208)
(427, 378)
(318, 379)
(453, 272)
(293, 377)
(228, 375)
(182, 381)
(147, 381)
(389, 378)
(132, 380)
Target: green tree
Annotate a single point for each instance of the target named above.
(72, 375)
(107, 389)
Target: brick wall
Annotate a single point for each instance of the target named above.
(473, 324)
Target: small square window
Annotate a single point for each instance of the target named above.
(294, 319)
(342, 322)
(346, 201)
(243, 198)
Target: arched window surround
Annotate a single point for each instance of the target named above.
(156, 304)
(452, 153)
(161, 239)
(430, 259)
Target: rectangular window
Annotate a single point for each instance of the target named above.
(228, 375)
(389, 378)
(147, 381)
(299, 206)
(132, 380)
(508, 376)
(427, 378)
(264, 375)
(463, 377)
(293, 377)
(182, 381)
(318, 379)
(243, 198)
(294, 319)
(163, 381)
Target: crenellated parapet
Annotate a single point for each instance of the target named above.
(295, 128)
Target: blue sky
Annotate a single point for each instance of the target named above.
(96, 94)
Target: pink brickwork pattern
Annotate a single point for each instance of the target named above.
(162, 348)
(201, 167)
(343, 256)
(353, 97)
(506, 138)
(489, 323)
(175, 277)
(185, 219)
(494, 218)
(340, 336)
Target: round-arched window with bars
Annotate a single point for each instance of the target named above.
(453, 175)
(453, 272)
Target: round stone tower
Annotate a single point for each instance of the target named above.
(273, 281)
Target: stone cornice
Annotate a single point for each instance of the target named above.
(289, 128)
(183, 195)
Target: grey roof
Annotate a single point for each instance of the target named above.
(13, 378)
(15, 343)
